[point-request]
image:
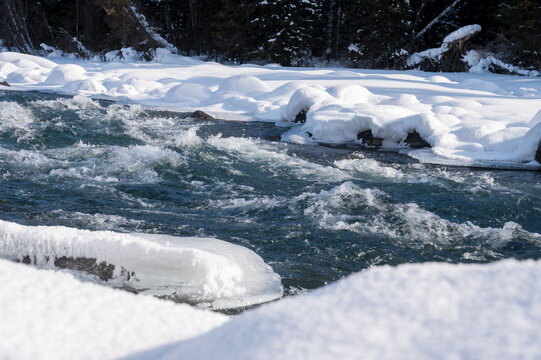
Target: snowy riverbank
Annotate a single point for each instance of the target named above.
(467, 119)
(423, 311)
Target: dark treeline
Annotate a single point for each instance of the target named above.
(369, 33)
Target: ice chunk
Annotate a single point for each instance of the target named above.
(193, 269)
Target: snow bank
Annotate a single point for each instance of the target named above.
(421, 311)
(51, 315)
(198, 270)
(452, 128)
(474, 120)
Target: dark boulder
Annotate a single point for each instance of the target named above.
(4, 83)
(367, 138)
(102, 270)
(201, 115)
(301, 117)
(415, 141)
(538, 153)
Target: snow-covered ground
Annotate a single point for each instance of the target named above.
(429, 311)
(468, 119)
(51, 315)
(422, 311)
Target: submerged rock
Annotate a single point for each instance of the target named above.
(369, 139)
(415, 141)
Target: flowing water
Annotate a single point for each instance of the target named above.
(315, 214)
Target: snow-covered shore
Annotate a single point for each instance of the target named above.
(467, 119)
(421, 311)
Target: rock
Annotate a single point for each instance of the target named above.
(415, 141)
(538, 153)
(201, 115)
(4, 83)
(301, 117)
(369, 139)
(103, 270)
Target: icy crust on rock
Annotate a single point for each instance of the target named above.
(475, 120)
(51, 315)
(206, 271)
(421, 311)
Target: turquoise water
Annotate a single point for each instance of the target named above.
(315, 214)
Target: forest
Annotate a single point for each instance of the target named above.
(368, 34)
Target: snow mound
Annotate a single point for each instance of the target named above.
(92, 86)
(200, 270)
(244, 84)
(421, 311)
(187, 93)
(62, 74)
(51, 315)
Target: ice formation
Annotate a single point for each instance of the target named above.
(199, 270)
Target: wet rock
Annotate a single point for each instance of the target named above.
(201, 115)
(415, 141)
(301, 117)
(102, 270)
(367, 138)
(4, 83)
(538, 153)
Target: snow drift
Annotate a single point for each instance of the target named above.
(420, 311)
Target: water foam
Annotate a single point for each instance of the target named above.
(261, 151)
(14, 117)
(371, 212)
